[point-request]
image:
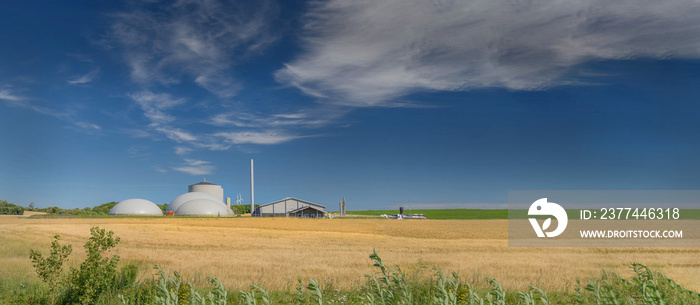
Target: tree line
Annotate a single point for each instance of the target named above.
(7, 208)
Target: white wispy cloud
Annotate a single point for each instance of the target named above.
(196, 167)
(7, 95)
(304, 118)
(373, 52)
(181, 150)
(176, 134)
(11, 98)
(139, 133)
(197, 40)
(87, 125)
(138, 151)
(84, 79)
(155, 104)
(255, 137)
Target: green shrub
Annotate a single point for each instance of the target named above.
(97, 273)
(50, 268)
(7, 208)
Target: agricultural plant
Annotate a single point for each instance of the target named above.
(390, 287)
(447, 289)
(49, 268)
(251, 299)
(533, 295)
(300, 297)
(497, 296)
(648, 288)
(316, 288)
(172, 290)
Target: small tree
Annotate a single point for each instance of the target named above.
(97, 272)
(49, 268)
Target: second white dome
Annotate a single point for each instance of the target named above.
(180, 200)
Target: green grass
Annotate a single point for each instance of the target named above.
(690, 214)
(490, 214)
(444, 213)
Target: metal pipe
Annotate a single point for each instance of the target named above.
(252, 189)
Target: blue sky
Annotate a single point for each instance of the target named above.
(443, 104)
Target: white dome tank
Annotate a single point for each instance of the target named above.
(180, 200)
(203, 207)
(136, 207)
(209, 188)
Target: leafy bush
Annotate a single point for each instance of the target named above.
(7, 208)
(242, 208)
(104, 208)
(97, 273)
(50, 268)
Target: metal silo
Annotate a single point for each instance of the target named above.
(209, 188)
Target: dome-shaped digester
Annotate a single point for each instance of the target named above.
(180, 200)
(209, 188)
(136, 207)
(203, 207)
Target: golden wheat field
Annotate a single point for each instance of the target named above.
(273, 252)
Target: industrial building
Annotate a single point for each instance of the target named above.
(209, 188)
(137, 207)
(291, 207)
(198, 203)
(203, 199)
(203, 207)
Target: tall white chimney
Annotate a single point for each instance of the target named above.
(252, 189)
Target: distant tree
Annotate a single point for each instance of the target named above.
(7, 208)
(242, 208)
(104, 208)
(31, 206)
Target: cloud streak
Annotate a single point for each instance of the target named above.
(155, 104)
(372, 53)
(312, 117)
(84, 79)
(255, 137)
(196, 167)
(11, 98)
(7, 95)
(193, 39)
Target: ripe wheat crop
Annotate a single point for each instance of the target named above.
(274, 252)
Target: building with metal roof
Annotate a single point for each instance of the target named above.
(136, 207)
(290, 207)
